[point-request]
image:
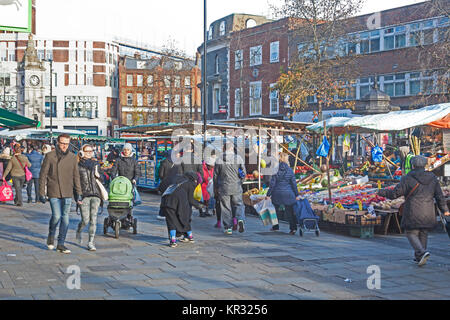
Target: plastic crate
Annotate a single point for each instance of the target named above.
(360, 220)
(362, 231)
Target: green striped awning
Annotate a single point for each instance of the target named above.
(13, 120)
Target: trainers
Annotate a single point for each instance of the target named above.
(275, 228)
(50, 243)
(161, 217)
(241, 226)
(62, 249)
(228, 231)
(172, 243)
(292, 232)
(91, 247)
(423, 259)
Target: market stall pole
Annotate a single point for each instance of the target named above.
(328, 163)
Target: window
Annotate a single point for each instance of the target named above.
(216, 98)
(140, 100)
(414, 38)
(139, 119)
(274, 51)
(222, 28)
(210, 32)
(187, 100)
(12, 56)
(41, 55)
(364, 86)
(255, 98)
(5, 79)
(129, 99)
(238, 59)
(47, 106)
(72, 79)
(149, 99)
(49, 55)
(89, 79)
(89, 56)
(370, 42)
(150, 80)
(351, 48)
(177, 81)
(414, 83)
(187, 82)
(443, 34)
(394, 85)
(140, 80)
(216, 64)
(428, 36)
(274, 101)
(129, 80)
(167, 100)
(176, 100)
(129, 119)
(167, 81)
(237, 103)
(72, 55)
(305, 50)
(255, 55)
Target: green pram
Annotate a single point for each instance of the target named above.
(120, 206)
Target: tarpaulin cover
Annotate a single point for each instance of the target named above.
(324, 148)
(393, 121)
(443, 123)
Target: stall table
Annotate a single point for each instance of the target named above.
(388, 214)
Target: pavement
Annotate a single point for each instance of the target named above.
(255, 265)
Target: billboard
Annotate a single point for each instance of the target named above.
(15, 15)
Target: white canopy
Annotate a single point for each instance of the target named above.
(28, 133)
(392, 121)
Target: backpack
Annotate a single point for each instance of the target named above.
(121, 190)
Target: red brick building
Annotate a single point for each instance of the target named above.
(256, 57)
(158, 90)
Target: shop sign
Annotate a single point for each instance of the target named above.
(223, 109)
(11, 102)
(80, 106)
(91, 131)
(312, 116)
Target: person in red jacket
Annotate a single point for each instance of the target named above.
(207, 176)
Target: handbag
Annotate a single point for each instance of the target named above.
(400, 209)
(137, 197)
(6, 192)
(101, 187)
(28, 174)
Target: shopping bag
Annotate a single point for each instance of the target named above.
(6, 193)
(266, 212)
(137, 197)
(28, 174)
(323, 148)
(377, 154)
(210, 187)
(198, 193)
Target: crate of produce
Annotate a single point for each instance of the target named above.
(362, 220)
(361, 231)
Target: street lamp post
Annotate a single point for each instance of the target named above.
(205, 94)
(51, 101)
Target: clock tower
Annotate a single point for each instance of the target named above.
(30, 81)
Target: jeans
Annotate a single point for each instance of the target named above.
(89, 209)
(36, 188)
(418, 240)
(290, 215)
(231, 206)
(60, 213)
(18, 185)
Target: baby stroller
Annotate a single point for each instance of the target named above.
(120, 207)
(306, 219)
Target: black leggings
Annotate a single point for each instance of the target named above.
(289, 213)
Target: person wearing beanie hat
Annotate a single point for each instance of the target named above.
(126, 165)
(420, 188)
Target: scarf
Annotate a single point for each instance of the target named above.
(88, 163)
(61, 154)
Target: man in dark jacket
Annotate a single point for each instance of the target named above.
(58, 177)
(35, 159)
(419, 210)
(177, 207)
(126, 165)
(228, 176)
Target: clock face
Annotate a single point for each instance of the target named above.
(34, 80)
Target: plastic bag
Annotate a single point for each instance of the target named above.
(377, 154)
(210, 187)
(324, 148)
(6, 192)
(266, 212)
(198, 193)
(137, 197)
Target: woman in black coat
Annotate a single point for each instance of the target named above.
(421, 188)
(176, 205)
(283, 191)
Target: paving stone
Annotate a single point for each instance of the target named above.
(122, 292)
(131, 277)
(79, 294)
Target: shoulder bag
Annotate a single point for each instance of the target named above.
(28, 174)
(400, 209)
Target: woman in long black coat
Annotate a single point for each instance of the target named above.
(419, 212)
(176, 205)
